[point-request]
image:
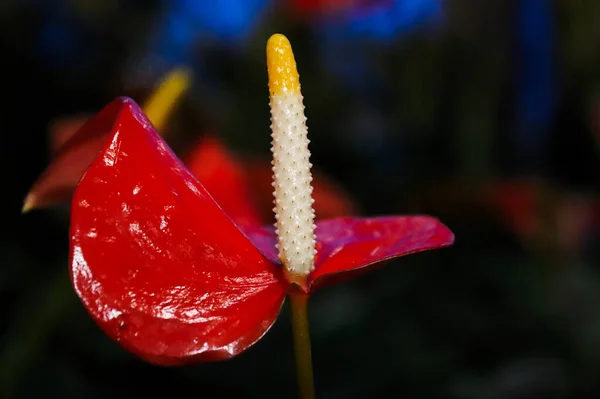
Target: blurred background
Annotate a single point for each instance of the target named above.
(485, 114)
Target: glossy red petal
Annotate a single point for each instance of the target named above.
(223, 177)
(348, 245)
(159, 265)
(331, 201)
(58, 181)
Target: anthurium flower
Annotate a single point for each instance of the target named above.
(170, 276)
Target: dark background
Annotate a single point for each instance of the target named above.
(483, 113)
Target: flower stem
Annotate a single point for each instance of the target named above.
(301, 334)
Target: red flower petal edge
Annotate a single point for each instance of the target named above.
(158, 264)
(58, 181)
(346, 246)
(350, 246)
(224, 178)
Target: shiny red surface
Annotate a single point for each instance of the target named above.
(349, 245)
(162, 269)
(166, 272)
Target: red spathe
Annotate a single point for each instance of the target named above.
(167, 273)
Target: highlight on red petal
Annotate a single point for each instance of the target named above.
(158, 264)
(330, 200)
(57, 182)
(348, 245)
(224, 178)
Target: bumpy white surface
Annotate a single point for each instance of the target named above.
(294, 213)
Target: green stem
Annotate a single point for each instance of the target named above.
(301, 334)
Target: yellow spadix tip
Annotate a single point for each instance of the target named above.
(281, 66)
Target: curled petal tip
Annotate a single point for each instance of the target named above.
(29, 203)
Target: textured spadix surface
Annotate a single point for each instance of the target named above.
(294, 213)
